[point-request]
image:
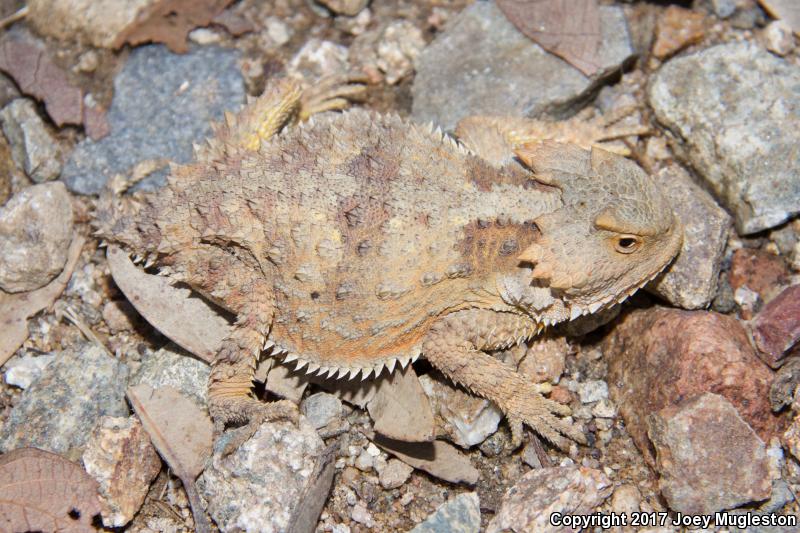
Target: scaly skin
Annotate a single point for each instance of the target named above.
(356, 241)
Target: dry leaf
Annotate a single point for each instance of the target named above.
(15, 309)
(27, 61)
(785, 10)
(170, 21)
(182, 433)
(400, 409)
(42, 491)
(569, 29)
(437, 458)
(187, 321)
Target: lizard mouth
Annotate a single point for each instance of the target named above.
(577, 310)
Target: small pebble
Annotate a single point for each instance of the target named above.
(361, 515)
(204, 36)
(365, 462)
(395, 474)
(592, 391)
(778, 38)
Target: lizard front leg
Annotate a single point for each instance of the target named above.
(495, 139)
(283, 102)
(242, 289)
(454, 345)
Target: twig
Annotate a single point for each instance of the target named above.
(70, 314)
(20, 14)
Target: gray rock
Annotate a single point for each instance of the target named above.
(466, 419)
(690, 281)
(257, 487)
(35, 232)
(162, 103)
(707, 457)
(481, 64)
(735, 109)
(528, 505)
(461, 514)
(723, 8)
(35, 150)
(171, 366)
(321, 409)
(59, 411)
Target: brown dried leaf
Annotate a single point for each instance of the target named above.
(15, 309)
(569, 29)
(170, 21)
(187, 321)
(181, 432)
(437, 458)
(42, 491)
(785, 10)
(27, 61)
(401, 410)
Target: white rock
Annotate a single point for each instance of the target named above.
(22, 371)
(778, 38)
(361, 515)
(593, 391)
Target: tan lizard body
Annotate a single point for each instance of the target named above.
(356, 241)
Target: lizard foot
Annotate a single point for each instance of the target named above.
(542, 415)
(332, 93)
(250, 412)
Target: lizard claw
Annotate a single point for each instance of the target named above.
(250, 412)
(542, 415)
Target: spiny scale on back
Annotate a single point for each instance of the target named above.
(368, 226)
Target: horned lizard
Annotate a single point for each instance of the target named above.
(354, 242)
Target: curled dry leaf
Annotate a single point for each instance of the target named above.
(26, 60)
(181, 432)
(187, 321)
(15, 309)
(170, 21)
(42, 491)
(569, 29)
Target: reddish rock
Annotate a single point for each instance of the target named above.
(760, 271)
(676, 29)
(776, 329)
(707, 457)
(658, 357)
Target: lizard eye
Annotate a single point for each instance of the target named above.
(627, 244)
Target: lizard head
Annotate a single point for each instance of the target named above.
(615, 232)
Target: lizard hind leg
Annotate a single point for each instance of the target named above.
(454, 345)
(242, 289)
